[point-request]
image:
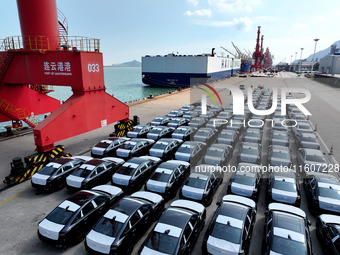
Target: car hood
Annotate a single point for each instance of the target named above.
(50, 229)
(123, 153)
(241, 189)
(220, 246)
(212, 160)
(329, 204)
(132, 134)
(74, 181)
(152, 136)
(156, 152)
(182, 156)
(156, 186)
(193, 193)
(40, 179)
(279, 162)
(148, 251)
(284, 196)
(248, 158)
(98, 151)
(99, 242)
(121, 179)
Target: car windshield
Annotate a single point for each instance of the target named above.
(284, 185)
(227, 232)
(180, 131)
(80, 172)
(162, 242)
(156, 131)
(249, 150)
(108, 227)
(280, 154)
(315, 158)
(184, 149)
(47, 170)
(244, 180)
(102, 145)
(60, 216)
(226, 135)
(330, 193)
(197, 183)
(202, 133)
(161, 177)
(287, 246)
(214, 153)
(126, 170)
(129, 145)
(160, 145)
(279, 137)
(253, 134)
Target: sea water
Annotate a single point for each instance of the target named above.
(124, 83)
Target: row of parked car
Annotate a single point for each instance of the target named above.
(122, 220)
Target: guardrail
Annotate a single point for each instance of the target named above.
(81, 43)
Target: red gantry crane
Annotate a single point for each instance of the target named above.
(46, 55)
(258, 54)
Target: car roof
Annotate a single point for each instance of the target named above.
(94, 162)
(63, 160)
(137, 160)
(82, 197)
(177, 217)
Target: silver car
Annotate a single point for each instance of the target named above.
(250, 153)
(307, 140)
(252, 135)
(279, 156)
(279, 138)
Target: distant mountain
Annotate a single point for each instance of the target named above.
(133, 63)
(320, 54)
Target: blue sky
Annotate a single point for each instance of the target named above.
(129, 29)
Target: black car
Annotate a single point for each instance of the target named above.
(206, 135)
(160, 121)
(197, 122)
(168, 178)
(283, 187)
(132, 175)
(286, 231)
(190, 151)
(177, 230)
(107, 147)
(328, 233)
(70, 221)
(126, 221)
(134, 148)
(323, 193)
(53, 175)
(177, 122)
(183, 133)
(93, 173)
(231, 227)
(246, 181)
(165, 148)
(139, 131)
(160, 132)
(228, 137)
(202, 184)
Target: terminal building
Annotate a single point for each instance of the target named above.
(330, 64)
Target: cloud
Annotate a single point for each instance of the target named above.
(201, 13)
(234, 6)
(242, 23)
(193, 2)
(320, 18)
(299, 26)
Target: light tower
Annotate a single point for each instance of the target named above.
(300, 60)
(315, 40)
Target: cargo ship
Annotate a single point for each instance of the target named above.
(185, 70)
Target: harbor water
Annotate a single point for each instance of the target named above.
(124, 83)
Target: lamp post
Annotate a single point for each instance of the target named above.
(300, 60)
(291, 58)
(316, 40)
(295, 61)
